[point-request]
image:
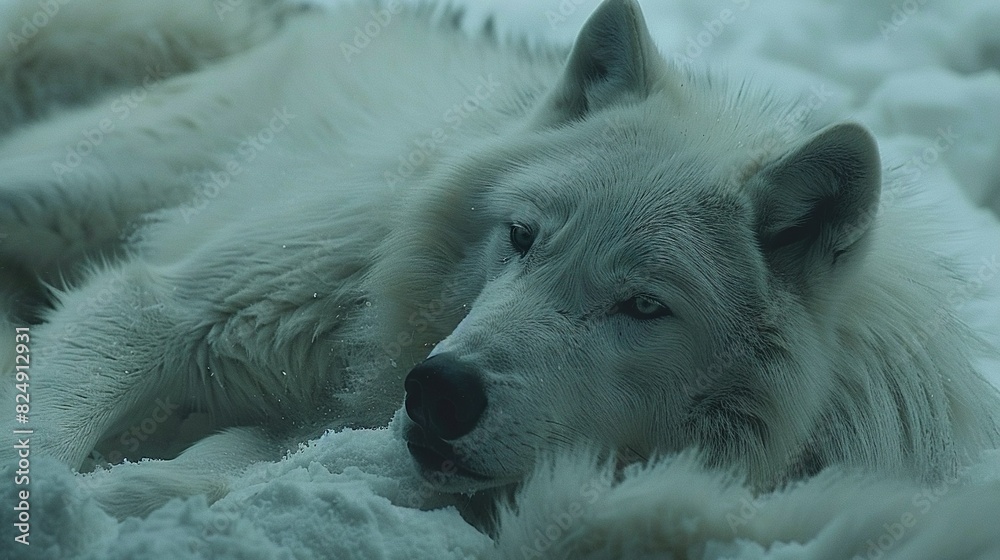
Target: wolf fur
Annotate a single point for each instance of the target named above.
(278, 219)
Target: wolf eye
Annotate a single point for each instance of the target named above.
(643, 308)
(521, 238)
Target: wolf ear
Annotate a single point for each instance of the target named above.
(816, 204)
(613, 58)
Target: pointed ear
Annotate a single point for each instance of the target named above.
(816, 205)
(613, 58)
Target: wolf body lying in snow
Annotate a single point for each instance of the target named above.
(272, 222)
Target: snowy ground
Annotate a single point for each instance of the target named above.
(923, 74)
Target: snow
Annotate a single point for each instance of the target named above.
(346, 495)
(922, 74)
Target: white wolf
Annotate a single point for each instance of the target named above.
(276, 216)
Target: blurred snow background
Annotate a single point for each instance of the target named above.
(923, 74)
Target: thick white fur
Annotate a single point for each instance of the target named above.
(677, 509)
(297, 294)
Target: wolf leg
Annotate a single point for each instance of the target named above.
(117, 352)
(74, 188)
(136, 489)
(62, 53)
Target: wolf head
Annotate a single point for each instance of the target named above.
(651, 264)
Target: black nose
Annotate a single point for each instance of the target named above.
(445, 396)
